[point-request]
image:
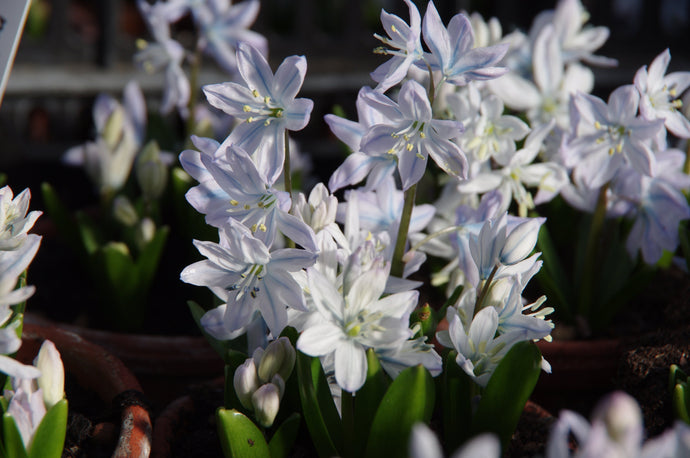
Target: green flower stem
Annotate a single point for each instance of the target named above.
(686, 165)
(194, 69)
(287, 178)
(398, 265)
(485, 290)
(348, 416)
(590, 265)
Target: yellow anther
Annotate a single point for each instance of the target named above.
(267, 100)
(597, 125)
(255, 93)
(409, 146)
(260, 205)
(422, 135)
(250, 119)
(419, 155)
(262, 227)
(253, 227)
(393, 29)
(619, 147)
(369, 236)
(246, 108)
(611, 151)
(234, 203)
(406, 137)
(391, 151)
(141, 44)
(247, 206)
(600, 140)
(673, 92)
(677, 103)
(267, 121)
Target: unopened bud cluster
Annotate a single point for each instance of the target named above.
(260, 382)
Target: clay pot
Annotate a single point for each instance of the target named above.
(96, 370)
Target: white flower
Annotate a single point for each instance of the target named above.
(353, 319)
(15, 223)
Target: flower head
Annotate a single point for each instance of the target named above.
(267, 105)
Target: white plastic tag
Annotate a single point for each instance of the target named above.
(12, 17)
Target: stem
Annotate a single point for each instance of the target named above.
(686, 164)
(485, 290)
(194, 68)
(430, 237)
(287, 179)
(432, 89)
(589, 268)
(348, 418)
(398, 265)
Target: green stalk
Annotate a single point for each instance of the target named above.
(485, 290)
(194, 69)
(686, 165)
(590, 265)
(287, 178)
(348, 416)
(286, 166)
(398, 265)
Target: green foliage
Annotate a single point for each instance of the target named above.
(239, 436)
(678, 386)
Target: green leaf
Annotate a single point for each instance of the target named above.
(552, 276)
(507, 392)
(680, 402)
(14, 446)
(409, 399)
(61, 216)
(284, 438)
(89, 234)
(49, 438)
(239, 436)
(368, 399)
(455, 402)
(149, 258)
(317, 407)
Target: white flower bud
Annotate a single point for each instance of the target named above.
(246, 382)
(145, 232)
(278, 358)
(278, 381)
(124, 211)
(622, 417)
(520, 242)
(152, 173)
(112, 131)
(266, 402)
(52, 379)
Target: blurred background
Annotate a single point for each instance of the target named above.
(73, 49)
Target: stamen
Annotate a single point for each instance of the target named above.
(255, 93)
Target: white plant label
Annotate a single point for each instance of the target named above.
(12, 18)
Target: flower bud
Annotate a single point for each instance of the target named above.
(112, 130)
(52, 379)
(124, 211)
(278, 381)
(246, 382)
(622, 417)
(520, 242)
(152, 173)
(278, 358)
(266, 402)
(145, 232)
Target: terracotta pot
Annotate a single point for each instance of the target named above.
(582, 372)
(96, 370)
(164, 365)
